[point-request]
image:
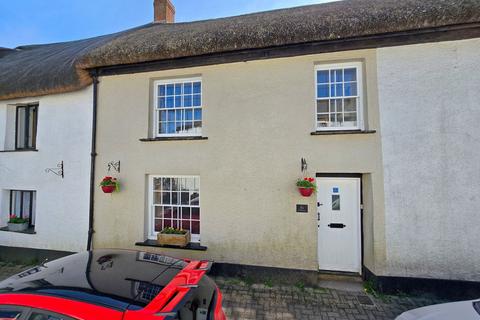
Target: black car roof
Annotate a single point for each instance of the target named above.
(118, 279)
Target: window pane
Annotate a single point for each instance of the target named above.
(351, 89)
(322, 76)
(350, 119)
(335, 202)
(322, 106)
(322, 91)
(350, 74)
(161, 103)
(189, 114)
(21, 123)
(170, 89)
(350, 104)
(163, 128)
(178, 89)
(159, 212)
(187, 89)
(170, 102)
(198, 114)
(197, 100)
(178, 101)
(32, 126)
(171, 127)
(197, 87)
(188, 101)
(161, 90)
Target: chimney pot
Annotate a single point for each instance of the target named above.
(164, 11)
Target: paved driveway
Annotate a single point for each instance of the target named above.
(243, 301)
(266, 301)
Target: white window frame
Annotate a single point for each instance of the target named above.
(152, 234)
(360, 94)
(156, 108)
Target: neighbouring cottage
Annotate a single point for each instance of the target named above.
(207, 125)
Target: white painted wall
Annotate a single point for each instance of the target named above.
(64, 133)
(429, 98)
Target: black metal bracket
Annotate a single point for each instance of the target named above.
(115, 165)
(304, 165)
(57, 171)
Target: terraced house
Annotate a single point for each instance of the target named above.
(207, 125)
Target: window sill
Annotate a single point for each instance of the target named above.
(153, 243)
(20, 150)
(335, 132)
(28, 231)
(173, 138)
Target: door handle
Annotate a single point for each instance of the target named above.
(336, 225)
(318, 216)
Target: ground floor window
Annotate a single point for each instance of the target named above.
(175, 202)
(22, 205)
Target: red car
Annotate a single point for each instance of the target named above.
(112, 285)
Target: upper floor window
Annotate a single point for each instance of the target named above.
(339, 96)
(178, 107)
(26, 127)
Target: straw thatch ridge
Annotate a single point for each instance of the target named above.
(62, 67)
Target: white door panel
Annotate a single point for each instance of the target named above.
(339, 237)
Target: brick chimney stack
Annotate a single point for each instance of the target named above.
(164, 11)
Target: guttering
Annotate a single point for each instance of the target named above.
(93, 155)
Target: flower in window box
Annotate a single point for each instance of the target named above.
(110, 185)
(174, 237)
(17, 224)
(306, 186)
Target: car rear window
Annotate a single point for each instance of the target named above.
(200, 304)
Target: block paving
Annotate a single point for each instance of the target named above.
(243, 300)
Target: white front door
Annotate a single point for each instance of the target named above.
(339, 236)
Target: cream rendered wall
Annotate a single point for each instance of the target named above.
(64, 133)
(429, 106)
(258, 117)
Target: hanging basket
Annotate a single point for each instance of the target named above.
(108, 189)
(306, 192)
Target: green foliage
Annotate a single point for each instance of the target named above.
(300, 286)
(171, 230)
(110, 181)
(17, 220)
(268, 283)
(308, 183)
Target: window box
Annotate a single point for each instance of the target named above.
(18, 227)
(180, 240)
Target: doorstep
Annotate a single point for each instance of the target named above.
(340, 281)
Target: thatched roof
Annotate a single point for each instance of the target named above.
(62, 67)
(46, 69)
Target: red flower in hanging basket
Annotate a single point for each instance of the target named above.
(109, 185)
(306, 186)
